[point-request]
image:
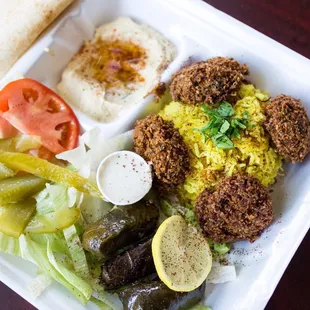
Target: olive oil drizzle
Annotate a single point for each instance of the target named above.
(114, 63)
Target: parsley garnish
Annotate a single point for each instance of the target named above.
(222, 127)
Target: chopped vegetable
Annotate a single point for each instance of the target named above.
(100, 304)
(20, 143)
(77, 252)
(200, 307)
(54, 254)
(55, 197)
(5, 172)
(51, 254)
(49, 172)
(221, 248)
(120, 228)
(39, 284)
(14, 217)
(20, 187)
(222, 127)
(34, 109)
(170, 208)
(94, 209)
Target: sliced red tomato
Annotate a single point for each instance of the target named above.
(45, 154)
(34, 109)
(6, 129)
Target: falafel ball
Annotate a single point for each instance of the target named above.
(159, 142)
(208, 81)
(289, 127)
(239, 209)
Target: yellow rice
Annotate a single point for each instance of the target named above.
(208, 164)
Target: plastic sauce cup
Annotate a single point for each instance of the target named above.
(124, 178)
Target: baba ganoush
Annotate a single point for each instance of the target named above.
(116, 70)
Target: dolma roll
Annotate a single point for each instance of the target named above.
(155, 295)
(119, 228)
(128, 267)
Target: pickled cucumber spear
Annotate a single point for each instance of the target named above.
(48, 171)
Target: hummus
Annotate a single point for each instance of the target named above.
(115, 70)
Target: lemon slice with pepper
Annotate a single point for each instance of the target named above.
(181, 255)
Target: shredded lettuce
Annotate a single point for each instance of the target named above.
(39, 284)
(222, 248)
(94, 209)
(62, 262)
(200, 307)
(53, 255)
(76, 251)
(101, 305)
(173, 207)
(10, 245)
(59, 256)
(55, 197)
(168, 209)
(219, 248)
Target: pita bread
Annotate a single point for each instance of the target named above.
(21, 22)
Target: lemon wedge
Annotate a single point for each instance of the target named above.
(181, 255)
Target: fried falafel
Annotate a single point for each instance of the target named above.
(289, 127)
(208, 81)
(239, 209)
(159, 142)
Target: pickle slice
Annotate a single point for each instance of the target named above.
(20, 187)
(53, 222)
(48, 171)
(5, 172)
(14, 217)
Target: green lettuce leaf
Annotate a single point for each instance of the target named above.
(76, 252)
(51, 253)
(39, 284)
(219, 248)
(59, 256)
(57, 196)
(200, 307)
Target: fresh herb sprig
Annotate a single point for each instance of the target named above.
(222, 126)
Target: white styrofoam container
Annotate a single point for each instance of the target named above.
(199, 31)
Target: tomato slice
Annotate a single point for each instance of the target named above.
(34, 109)
(45, 154)
(6, 129)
